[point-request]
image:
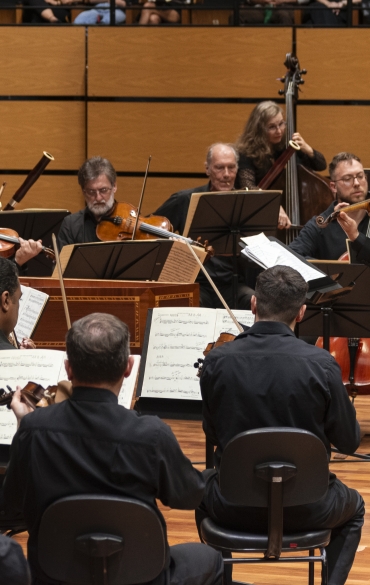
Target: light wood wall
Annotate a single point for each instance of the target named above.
(168, 92)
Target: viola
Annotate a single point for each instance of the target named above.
(36, 396)
(120, 225)
(9, 240)
(322, 222)
(223, 338)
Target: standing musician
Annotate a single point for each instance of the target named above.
(97, 179)
(260, 145)
(123, 453)
(349, 185)
(221, 168)
(267, 377)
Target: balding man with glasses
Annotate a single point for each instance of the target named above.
(97, 179)
(348, 183)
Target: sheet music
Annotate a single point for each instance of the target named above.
(129, 384)
(17, 368)
(267, 254)
(178, 337)
(31, 305)
(181, 257)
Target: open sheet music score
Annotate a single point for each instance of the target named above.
(45, 367)
(31, 306)
(174, 339)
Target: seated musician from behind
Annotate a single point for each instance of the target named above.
(261, 143)
(97, 179)
(221, 168)
(348, 183)
(123, 454)
(267, 377)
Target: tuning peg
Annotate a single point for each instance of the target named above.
(282, 79)
(281, 92)
(303, 72)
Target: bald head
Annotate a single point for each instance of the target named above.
(222, 166)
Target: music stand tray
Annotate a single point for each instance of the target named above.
(36, 224)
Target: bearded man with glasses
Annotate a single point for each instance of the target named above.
(348, 182)
(97, 179)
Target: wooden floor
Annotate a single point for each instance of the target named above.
(181, 525)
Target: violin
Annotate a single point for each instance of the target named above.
(322, 222)
(36, 396)
(120, 225)
(9, 240)
(223, 338)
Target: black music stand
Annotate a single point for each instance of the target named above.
(36, 224)
(340, 316)
(224, 217)
(121, 260)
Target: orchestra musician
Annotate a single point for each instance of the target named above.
(267, 377)
(348, 183)
(221, 168)
(123, 453)
(261, 143)
(97, 179)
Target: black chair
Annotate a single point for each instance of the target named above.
(101, 540)
(272, 468)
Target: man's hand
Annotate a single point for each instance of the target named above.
(305, 148)
(349, 225)
(19, 408)
(28, 249)
(284, 221)
(27, 343)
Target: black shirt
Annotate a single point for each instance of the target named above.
(78, 228)
(4, 342)
(267, 377)
(90, 444)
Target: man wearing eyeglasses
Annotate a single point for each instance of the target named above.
(97, 179)
(349, 185)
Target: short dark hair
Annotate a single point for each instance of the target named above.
(98, 348)
(280, 292)
(340, 157)
(93, 167)
(8, 276)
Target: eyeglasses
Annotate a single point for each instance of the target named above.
(350, 179)
(95, 192)
(276, 127)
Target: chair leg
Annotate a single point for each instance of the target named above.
(311, 568)
(324, 569)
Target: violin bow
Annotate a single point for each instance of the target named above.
(141, 198)
(61, 282)
(1, 193)
(231, 314)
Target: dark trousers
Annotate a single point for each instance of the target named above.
(342, 510)
(190, 564)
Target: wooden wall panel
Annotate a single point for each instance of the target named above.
(177, 135)
(156, 192)
(337, 61)
(188, 62)
(332, 129)
(49, 192)
(42, 61)
(30, 127)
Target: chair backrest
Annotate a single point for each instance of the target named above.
(240, 484)
(140, 557)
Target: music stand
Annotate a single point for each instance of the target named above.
(344, 316)
(152, 260)
(223, 217)
(36, 224)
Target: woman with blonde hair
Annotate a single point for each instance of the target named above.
(260, 144)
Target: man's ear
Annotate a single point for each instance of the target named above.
(130, 364)
(207, 169)
(254, 304)
(5, 301)
(68, 368)
(301, 313)
(333, 187)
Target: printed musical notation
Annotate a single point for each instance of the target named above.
(178, 336)
(17, 368)
(31, 305)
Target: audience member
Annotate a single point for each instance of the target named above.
(100, 14)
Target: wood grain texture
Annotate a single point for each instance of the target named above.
(177, 62)
(42, 61)
(177, 135)
(333, 129)
(49, 192)
(34, 126)
(337, 61)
